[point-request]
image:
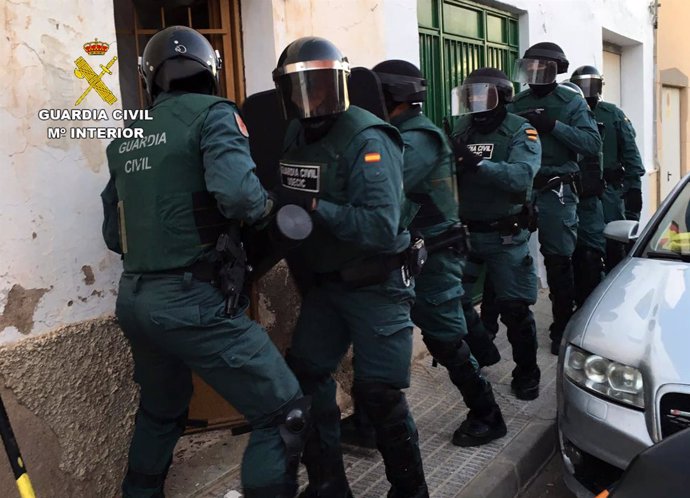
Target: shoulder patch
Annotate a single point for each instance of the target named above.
(372, 157)
(532, 134)
(241, 125)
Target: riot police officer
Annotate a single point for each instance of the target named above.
(567, 128)
(588, 258)
(429, 182)
(498, 156)
(346, 165)
(623, 166)
(165, 220)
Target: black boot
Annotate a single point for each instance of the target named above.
(396, 437)
(525, 383)
(484, 422)
(479, 339)
(559, 275)
(588, 271)
(326, 473)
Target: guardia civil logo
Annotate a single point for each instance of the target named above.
(86, 72)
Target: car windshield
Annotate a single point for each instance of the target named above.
(671, 239)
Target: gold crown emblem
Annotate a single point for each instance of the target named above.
(96, 47)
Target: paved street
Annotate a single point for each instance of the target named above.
(549, 483)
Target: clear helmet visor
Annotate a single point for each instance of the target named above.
(591, 87)
(535, 71)
(473, 97)
(313, 93)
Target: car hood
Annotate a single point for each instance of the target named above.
(640, 316)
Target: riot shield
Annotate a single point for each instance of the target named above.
(264, 119)
(366, 92)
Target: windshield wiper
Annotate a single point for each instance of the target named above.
(668, 255)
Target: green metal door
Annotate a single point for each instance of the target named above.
(455, 38)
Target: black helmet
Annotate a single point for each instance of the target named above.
(589, 79)
(401, 81)
(311, 78)
(540, 64)
(483, 90)
(176, 53)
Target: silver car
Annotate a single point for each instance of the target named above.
(624, 366)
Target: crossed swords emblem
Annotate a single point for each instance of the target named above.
(85, 71)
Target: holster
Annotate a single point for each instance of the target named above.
(233, 268)
(456, 239)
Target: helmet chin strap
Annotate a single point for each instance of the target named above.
(543, 90)
(488, 121)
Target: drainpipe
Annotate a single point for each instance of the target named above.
(654, 11)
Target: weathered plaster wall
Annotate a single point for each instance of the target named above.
(54, 268)
(71, 400)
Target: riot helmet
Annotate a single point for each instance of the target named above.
(483, 90)
(540, 64)
(311, 79)
(180, 54)
(590, 80)
(402, 82)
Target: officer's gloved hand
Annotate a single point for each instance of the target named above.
(466, 159)
(633, 200)
(285, 196)
(540, 120)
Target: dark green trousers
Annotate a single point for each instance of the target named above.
(176, 325)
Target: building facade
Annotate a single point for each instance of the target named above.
(65, 367)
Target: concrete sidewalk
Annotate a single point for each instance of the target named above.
(499, 469)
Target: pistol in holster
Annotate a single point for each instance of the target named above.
(456, 238)
(233, 268)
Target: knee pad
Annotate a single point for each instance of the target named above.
(447, 351)
(381, 402)
(514, 314)
(293, 423)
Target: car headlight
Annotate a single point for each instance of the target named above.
(614, 380)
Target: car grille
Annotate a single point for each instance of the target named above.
(675, 413)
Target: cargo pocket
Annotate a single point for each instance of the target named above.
(388, 329)
(244, 348)
(444, 296)
(175, 318)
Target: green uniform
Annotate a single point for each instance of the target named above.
(355, 169)
(169, 196)
(429, 181)
(575, 132)
(623, 167)
(492, 201)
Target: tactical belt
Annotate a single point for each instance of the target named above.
(614, 176)
(510, 224)
(371, 271)
(546, 182)
(201, 270)
(455, 239)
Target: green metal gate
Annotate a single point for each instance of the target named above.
(457, 37)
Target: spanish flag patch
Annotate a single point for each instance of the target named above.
(532, 134)
(372, 157)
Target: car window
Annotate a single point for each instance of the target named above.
(671, 239)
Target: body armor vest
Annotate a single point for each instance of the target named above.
(322, 165)
(480, 202)
(605, 113)
(167, 218)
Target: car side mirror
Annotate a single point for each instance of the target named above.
(624, 231)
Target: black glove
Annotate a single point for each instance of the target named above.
(633, 200)
(466, 159)
(540, 120)
(284, 196)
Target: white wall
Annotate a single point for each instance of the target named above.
(50, 210)
(366, 31)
